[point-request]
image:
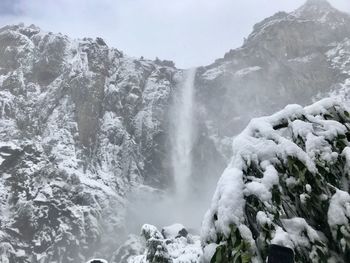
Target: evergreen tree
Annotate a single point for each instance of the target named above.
(287, 184)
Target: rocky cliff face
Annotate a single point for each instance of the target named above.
(81, 123)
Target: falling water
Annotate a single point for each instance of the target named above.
(183, 134)
(179, 207)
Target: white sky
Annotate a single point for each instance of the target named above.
(189, 32)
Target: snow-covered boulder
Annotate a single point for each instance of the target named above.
(173, 245)
(174, 231)
(287, 184)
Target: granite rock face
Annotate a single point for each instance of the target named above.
(81, 123)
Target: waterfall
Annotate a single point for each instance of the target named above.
(180, 206)
(183, 133)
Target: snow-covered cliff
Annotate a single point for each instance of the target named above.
(80, 125)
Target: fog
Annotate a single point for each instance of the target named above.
(162, 209)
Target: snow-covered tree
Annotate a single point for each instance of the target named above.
(287, 184)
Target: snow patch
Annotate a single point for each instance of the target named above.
(245, 71)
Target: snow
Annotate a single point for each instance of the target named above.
(308, 188)
(262, 187)
(227, 204)
(263, 219)
(245, 71)
(304, 59)
(339, 209)
(40, 198)
(282, 238)
(183, 252)
(215, 72)
(172, 231)
(339, 58)
(319, 11)
(8, 146)
(150, 231)
(208, 252)
(260, 141)
(300, 232)
(7, 104)
(259, 190)
(296, 234)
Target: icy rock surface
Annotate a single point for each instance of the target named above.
(287, 184)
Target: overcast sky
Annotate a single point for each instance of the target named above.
(189, 32)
